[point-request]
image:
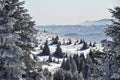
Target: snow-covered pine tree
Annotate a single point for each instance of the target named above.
(113, 51)
(56, 40)
(114, 30)
(16, 42)
(63, 63)
(85, 46)
(58, 53)
(67, 75)
(98, 66)
(76, 59)
(66, 65)
(77, 76)
(58, 75)
(46, 50)
(50, 58)
(69, 42)
(47, 74)
(90, 44)
(73, 66)
(94, 44)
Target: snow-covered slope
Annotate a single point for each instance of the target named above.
(68, 49)
(91, 31)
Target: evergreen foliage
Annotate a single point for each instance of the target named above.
(76, 65)
(55, 40)
(98, 65)
(81, 41)
(94, 45)
(113, 51)
(50, 59)
(58, 75)
(85, 46)
(46, 50)
(63, 63)
(16, 42)
(66, 75)
(66, 65)
(114, 30)
(73, 66)
(90, 44)
(58, 53)
(69, 42)
(47, 74)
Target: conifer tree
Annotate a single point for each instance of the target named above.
(81, 41)
(58, 53)
(73, 66)
(69, 42)
(98, 66)
(58, 75)
(41, 47)
(54, 60)
(56, 40)
(77, 76)
(90, 44)
(81, 60)
(94, 44)
(76, 42)
(16, 42)
(85, 46)
(67, 65)
(67, 75)
(113, 53)
(46, 50)
(47, 74)
(63, 64)
(114, 30)
(76, 59)
(50, 58)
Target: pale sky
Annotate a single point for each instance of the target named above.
(66, 12)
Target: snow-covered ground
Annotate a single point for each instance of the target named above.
(68, 49)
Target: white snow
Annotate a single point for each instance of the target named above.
(68, 49)
(52, 67)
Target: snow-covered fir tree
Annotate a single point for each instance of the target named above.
(114, 29)
(58, 75)
(66, 75)
(50, 58)
(94, 44)
(85, 46)
(55, 40)
(46, 50)
(66, 64)
(73, 66)
(98, 67)
(70, 70)
(47, 74)
(90, 44)
(69, 42)
(58, 53)
(113, 50)
(16, 42)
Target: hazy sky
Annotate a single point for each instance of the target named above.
(49, 12)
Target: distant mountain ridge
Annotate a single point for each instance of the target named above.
(87, 23)
(89, 30)
(98, 22)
